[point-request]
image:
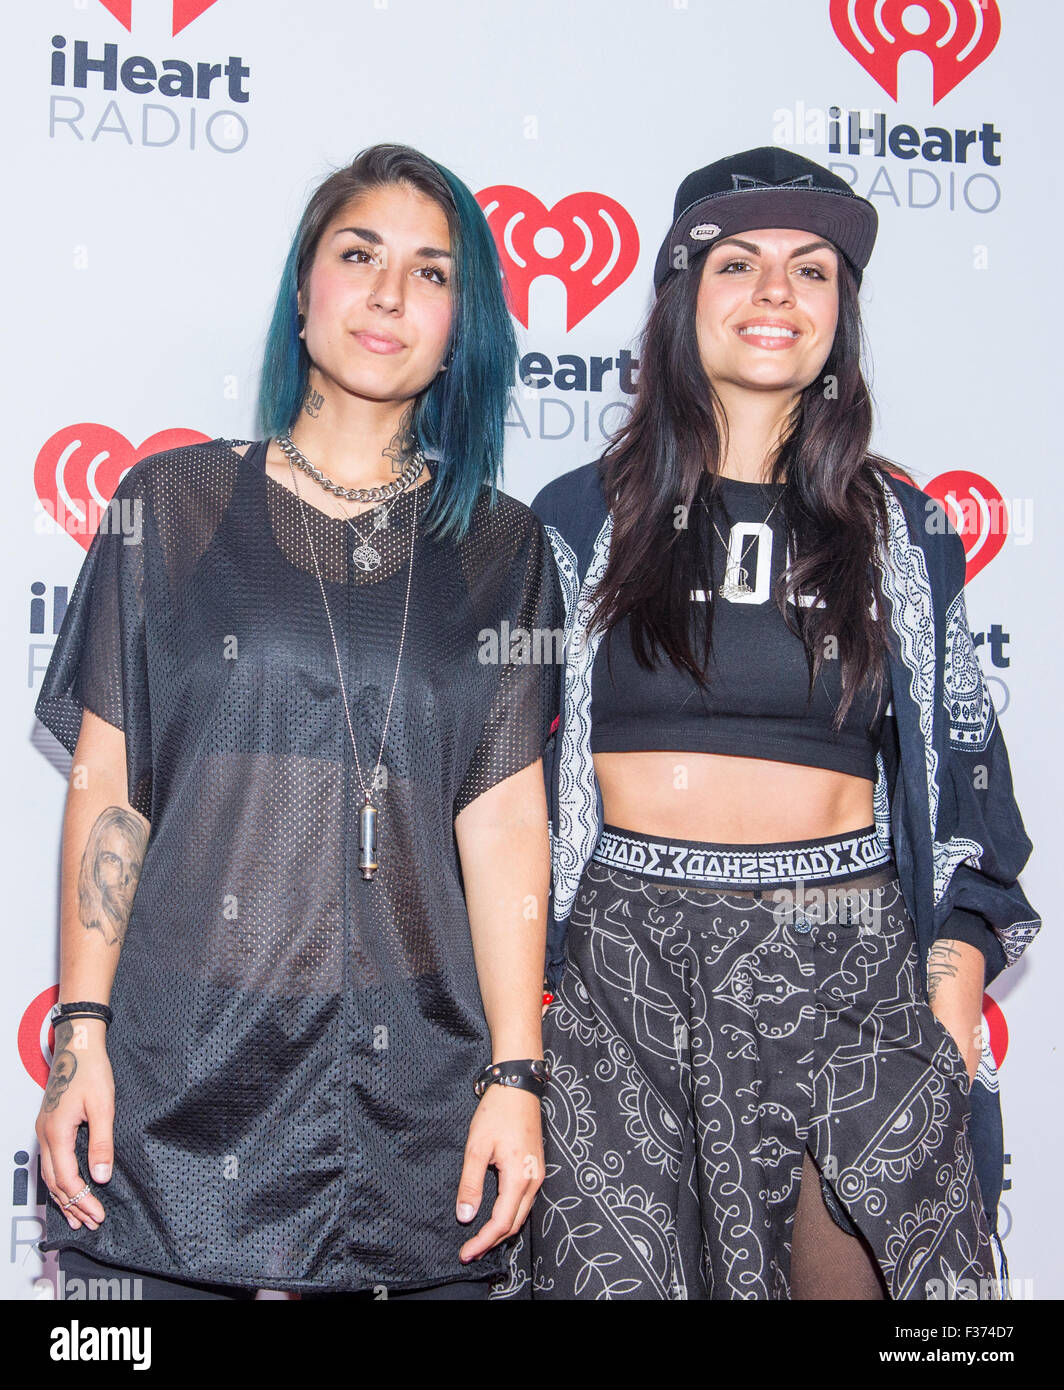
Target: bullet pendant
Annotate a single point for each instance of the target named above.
(367, 839)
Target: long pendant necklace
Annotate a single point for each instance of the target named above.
(734, 584)
(367, 818)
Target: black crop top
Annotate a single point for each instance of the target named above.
(756, 704)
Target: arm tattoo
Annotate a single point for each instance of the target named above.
(64, 1065)
(943, 960)
(110, 871)
(402, 445)
(313, 402)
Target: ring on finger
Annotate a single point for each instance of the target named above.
(75, 1200)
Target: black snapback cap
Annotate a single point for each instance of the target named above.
(767, 187)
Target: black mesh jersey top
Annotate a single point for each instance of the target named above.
(293, 1046)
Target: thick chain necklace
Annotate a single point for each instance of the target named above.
(367, 819)
(411, 470)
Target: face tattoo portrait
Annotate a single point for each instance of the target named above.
(780, 884)
(298, 1045)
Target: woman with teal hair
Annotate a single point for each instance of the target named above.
(314, 790)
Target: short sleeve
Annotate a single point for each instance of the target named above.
(526, 699)
(99, 661)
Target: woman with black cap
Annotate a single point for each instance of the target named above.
(785, 840)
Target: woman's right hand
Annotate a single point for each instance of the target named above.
(80, 1089)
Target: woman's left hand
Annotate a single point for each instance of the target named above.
(955, 993)
(507, 1133)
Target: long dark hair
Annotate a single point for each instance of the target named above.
(664, 462)
(461, 413)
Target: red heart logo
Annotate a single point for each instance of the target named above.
(977, 510)
(32, 1034)
(78, 469)
(184, 11)
(598, 239)
(957, 35)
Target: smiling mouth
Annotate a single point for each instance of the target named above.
(766, 330)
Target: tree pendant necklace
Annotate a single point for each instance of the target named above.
(368, 815)
(365, 557)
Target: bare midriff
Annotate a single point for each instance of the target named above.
(729, 800)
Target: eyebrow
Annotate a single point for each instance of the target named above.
(798, 251)
(376, 240)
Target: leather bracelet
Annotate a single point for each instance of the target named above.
(529, 1074)
(83, 1008)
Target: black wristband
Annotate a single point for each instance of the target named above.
(84, 1008)
(529, 1074)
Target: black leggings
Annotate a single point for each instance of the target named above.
(827, 1262)
(109, 1283)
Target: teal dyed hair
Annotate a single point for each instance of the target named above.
(459, 416)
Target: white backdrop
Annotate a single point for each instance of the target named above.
(146, 231)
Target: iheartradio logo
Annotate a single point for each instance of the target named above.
(981, 515)
(184, 12)
(78, 469)
(587, 241)
(997, 1029)
(956, 35)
